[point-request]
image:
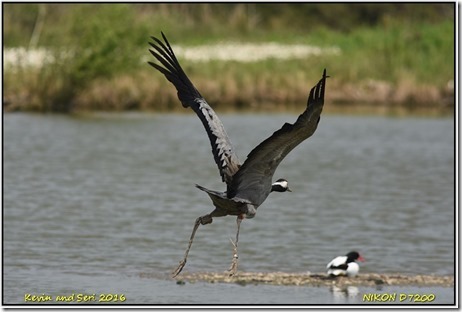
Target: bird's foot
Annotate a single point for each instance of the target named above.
(233, 268)
(179, 268)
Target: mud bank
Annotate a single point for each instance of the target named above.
(312, 279)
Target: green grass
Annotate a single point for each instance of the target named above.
(422, 52)
(415, 53)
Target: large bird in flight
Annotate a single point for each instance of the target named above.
(247, 184)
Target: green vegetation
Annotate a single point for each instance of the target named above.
(391, 54)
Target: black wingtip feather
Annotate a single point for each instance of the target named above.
(168, 64)
(165, 38)
(170, 67)
(317, 92)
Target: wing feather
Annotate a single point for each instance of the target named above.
(222, 149)
(253, 180)
(338, 263)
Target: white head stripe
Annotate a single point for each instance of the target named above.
(281, 183)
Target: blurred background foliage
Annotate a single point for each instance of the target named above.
(392, 42)
(67, 24)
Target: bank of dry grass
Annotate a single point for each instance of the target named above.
(148, 90)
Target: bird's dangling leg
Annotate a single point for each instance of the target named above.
(201, 220)
(233, 268)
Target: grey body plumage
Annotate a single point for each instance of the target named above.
(250, 183)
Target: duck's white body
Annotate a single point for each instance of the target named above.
(344, 265)
(335, 267)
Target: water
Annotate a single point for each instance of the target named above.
(93, 203)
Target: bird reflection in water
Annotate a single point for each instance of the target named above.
(344, 292)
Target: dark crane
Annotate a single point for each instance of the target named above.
(250, 183)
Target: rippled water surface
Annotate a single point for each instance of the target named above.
(93, 203)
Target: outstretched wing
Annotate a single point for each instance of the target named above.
(338, 263)
(253, 180)
(227, 161)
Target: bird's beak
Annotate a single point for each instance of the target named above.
(289, 190)
(361, 259)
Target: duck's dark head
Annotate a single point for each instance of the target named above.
(353, 256)
(280, 185)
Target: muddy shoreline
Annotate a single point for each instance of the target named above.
(318, 279)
